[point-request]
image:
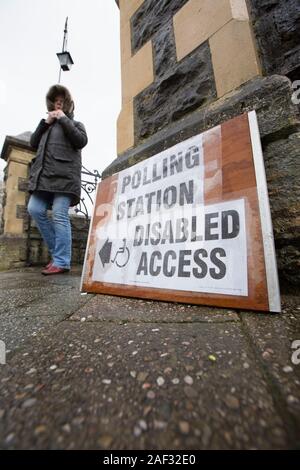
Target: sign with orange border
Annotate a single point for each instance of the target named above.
(191, 224)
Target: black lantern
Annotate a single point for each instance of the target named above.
(65, 60)
(64, 57)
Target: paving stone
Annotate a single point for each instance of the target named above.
(113, 394)
(17, 329)
(120, 309)
(12, 298)
(272, 337)
(143, 374)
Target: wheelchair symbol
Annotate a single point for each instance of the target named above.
(122, 255)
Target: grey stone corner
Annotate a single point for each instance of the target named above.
(20, 141)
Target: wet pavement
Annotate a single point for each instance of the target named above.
(104, 372)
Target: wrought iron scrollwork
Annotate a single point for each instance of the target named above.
(89, 181)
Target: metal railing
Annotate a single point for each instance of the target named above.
(89, 181)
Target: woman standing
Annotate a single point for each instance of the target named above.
(55, 176)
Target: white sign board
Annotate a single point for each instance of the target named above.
(175, 222)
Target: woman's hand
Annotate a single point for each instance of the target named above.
(59, 114)
(52, 115)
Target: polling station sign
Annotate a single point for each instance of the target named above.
(190, 224)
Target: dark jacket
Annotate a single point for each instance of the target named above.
(57, 164)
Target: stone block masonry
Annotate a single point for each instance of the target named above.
(211, 61)
(276, 25)
(177, 57)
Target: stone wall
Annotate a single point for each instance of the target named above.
(177, 56)
(188, 65)
(276, 25)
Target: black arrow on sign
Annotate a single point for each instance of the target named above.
(105, 252)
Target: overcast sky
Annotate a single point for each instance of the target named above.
(31, 32)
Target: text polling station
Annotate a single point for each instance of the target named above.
(187, 225)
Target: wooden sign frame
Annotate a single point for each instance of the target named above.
(233, 173)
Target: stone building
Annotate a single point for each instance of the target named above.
(189, 65)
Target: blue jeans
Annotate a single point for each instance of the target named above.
(56, 232)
